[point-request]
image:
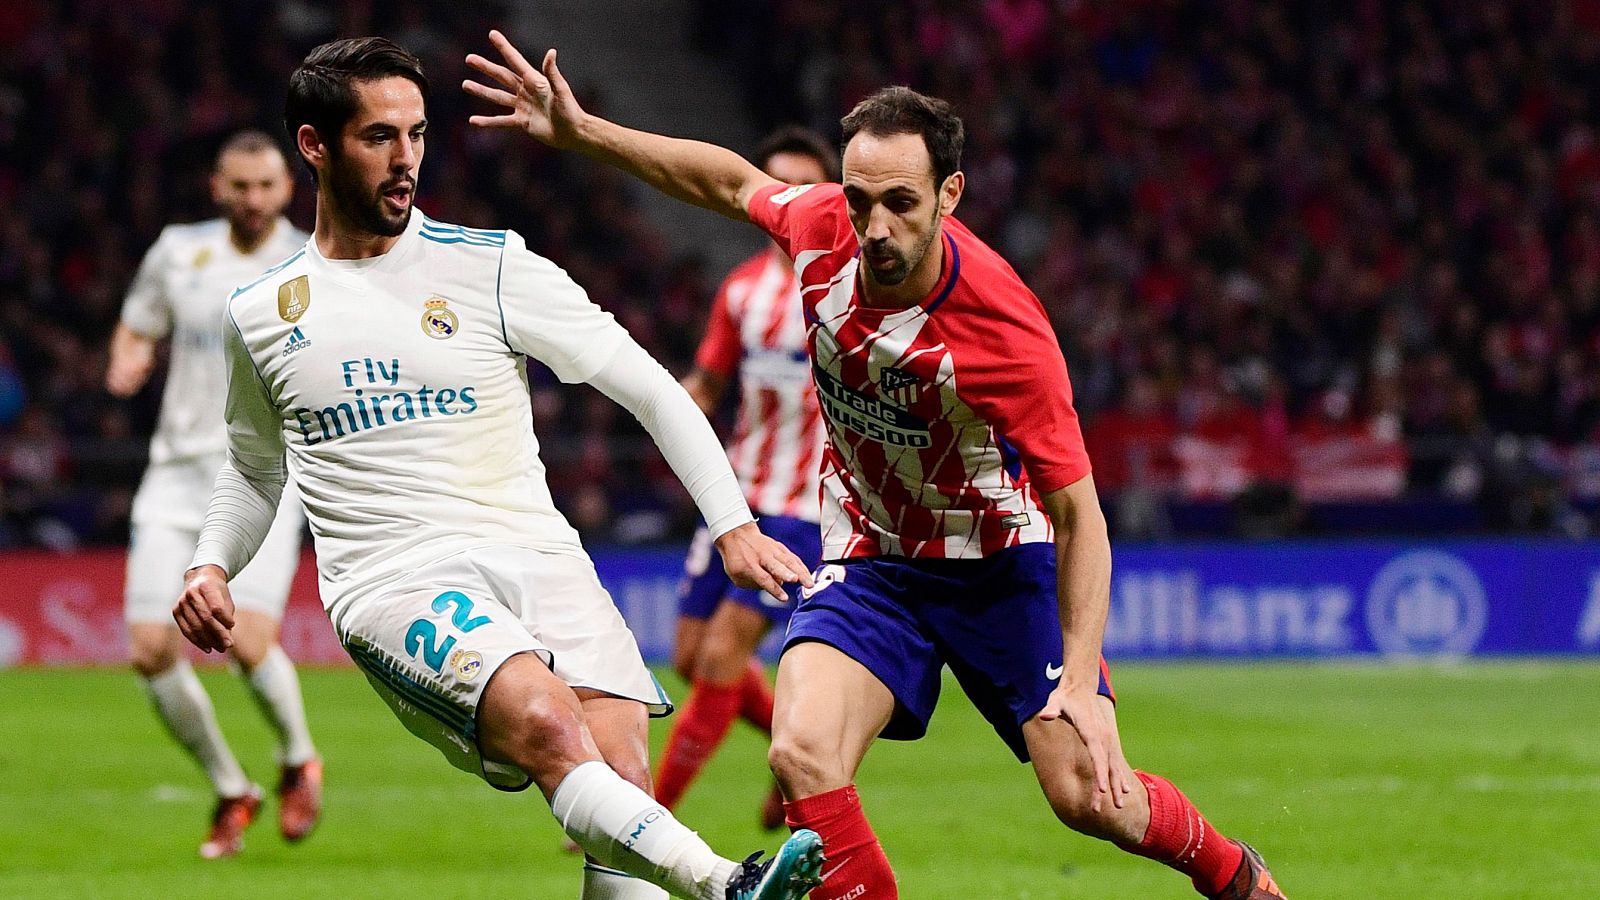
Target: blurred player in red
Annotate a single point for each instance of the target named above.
(757, 333)
(958, 509)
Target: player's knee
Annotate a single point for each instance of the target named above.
(721, 661)
(683, 663)
(1072, 800)
(803, 766)
(543, 731)
(249, 654)
(151, 658)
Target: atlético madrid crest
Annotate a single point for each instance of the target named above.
(899, 386)
(438, 321)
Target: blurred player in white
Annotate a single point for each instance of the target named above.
(388, 359)
(180, 292)
(757, 334)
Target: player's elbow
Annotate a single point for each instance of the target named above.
(1075, 510)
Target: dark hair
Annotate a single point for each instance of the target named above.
(320, 92)
(248, 141)
(802, 141)
(900, 110)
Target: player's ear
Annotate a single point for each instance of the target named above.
(950, 192)
(310, 147)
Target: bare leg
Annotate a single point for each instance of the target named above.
(530, 718)
(1156, 820)
(829, 710)
(184, 706)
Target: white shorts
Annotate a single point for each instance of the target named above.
(430, 643)
(160, 552)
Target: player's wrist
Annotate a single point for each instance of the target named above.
(205, 569)
(743, 529)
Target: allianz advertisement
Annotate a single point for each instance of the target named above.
(1209, 600)
(1311, 599)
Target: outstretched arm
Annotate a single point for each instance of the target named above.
(639, 383)
(540, 102)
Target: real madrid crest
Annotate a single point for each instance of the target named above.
(294, 298)
(438, 321)
(466, 663)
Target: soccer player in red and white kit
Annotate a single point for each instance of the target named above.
(756, 333)
(958, 507)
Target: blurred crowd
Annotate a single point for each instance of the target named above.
(110, 117)
(1337, 251)
(1297, 253)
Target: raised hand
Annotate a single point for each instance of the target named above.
(754, 560)
(538, 101)
(204, 612)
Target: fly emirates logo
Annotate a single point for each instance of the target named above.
(376, 400)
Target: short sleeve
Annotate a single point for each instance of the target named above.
(720, 348)
(547, 316)
(803, 217)
(147, 310)
(1022, 389)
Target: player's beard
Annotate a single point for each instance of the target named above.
(363, 207)
(248, 229)
(904, 265)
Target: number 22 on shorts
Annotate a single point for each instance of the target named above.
(421, 637)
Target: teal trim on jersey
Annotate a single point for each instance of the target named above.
(665, 701)
(488, 234)
(416, 693)
(269, 273)
(498, 272)
(493, 234)
(451, 234)
(452, 715)
(472, 242)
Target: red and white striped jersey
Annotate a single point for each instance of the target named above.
(945, 420)
(757, 331)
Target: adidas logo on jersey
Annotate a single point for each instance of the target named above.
(297, 341)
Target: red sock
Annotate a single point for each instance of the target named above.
(1180, 837)
(755, 703)
(856, 867)
(698, 732)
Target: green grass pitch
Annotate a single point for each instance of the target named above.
(1356, 781)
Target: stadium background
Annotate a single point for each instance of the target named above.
(1327, 276)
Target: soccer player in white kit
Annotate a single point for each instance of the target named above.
(179, 293)
(387, 359)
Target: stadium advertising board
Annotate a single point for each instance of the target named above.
(1227, 600)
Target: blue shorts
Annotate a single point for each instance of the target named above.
(705, 582)
(993, 621)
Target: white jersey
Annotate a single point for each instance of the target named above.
(398, 386)
(181, 290)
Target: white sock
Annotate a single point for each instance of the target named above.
(185, 707)
(624, 828)
(600, 883)
(277, 689)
